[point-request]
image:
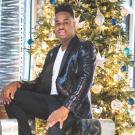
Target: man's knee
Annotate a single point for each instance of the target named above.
(22, 97)
(55, 130)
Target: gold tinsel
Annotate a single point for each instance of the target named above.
(110, 40)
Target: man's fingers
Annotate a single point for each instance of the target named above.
(50, 121)
(6, 97)
(53, 123)
(12, 95)
(61, 124)
(5, 101)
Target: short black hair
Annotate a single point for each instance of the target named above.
(64, 8)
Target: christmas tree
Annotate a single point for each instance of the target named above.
(102, 22)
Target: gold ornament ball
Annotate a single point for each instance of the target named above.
(116, 104)
(107, 15)
(60, 1)
(104, 8)
(96, 89)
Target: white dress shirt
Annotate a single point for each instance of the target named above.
(56, 68)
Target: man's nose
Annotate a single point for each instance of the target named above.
(61, 26)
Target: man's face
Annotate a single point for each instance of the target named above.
(64, 26)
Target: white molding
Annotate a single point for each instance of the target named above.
(132, 40)
(26, 55)
(21, 31)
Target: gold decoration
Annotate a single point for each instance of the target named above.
(109, 82)
(116, 104)
(124, 11)
(117, 77)
(51, 36)
(79, 24)
(52, 20)
(40, 126)
(128, 131)
(100, 60)
(100, 19)
(60, 1)
(96, 89)
(47, 1)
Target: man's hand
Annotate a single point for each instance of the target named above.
(60, 115)
(9, 91)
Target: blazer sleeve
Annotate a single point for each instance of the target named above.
(30, 85)
(86, 67)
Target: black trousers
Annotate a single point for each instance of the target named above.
(27, 103)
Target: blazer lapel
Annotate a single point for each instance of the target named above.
(54, 55)
(70, 47)
(52, 60)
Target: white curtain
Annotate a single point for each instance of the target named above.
(0, 20)
(9, 41)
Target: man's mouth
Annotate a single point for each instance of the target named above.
(62, 32)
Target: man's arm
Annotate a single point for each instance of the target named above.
(9, 90)
(86, 68)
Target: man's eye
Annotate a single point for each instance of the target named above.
(57, 24)
(66, 23)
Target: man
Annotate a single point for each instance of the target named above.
(60, 93)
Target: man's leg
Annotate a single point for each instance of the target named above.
(14, 111)
(30, 103)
